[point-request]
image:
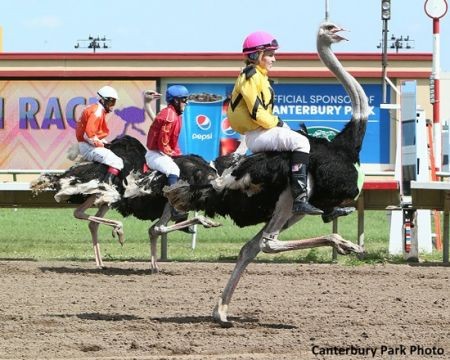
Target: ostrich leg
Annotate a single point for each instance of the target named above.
(94, 221)
(154, 234)
(342, 246)
(160, 227)
(246, 255)
(93, 228)
(281, 219)
(80, 213)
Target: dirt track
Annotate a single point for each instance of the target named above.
(62, 310)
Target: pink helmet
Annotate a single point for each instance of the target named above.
(258, 41)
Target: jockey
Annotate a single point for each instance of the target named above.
(250, 113)
(92, 130)
(162, 140)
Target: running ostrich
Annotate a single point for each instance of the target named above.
(82, 184)
(256, 188)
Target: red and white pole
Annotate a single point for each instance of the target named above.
(437, 126)
(436, 9)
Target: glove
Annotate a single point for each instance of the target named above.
(98, 143)
(280, 123)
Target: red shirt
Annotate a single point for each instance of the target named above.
(92, 122)
(164, 132)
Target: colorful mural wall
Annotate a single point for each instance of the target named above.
(37, 118)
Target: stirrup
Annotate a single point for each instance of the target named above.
(304, 207)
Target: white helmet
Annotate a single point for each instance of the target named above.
(108, 92)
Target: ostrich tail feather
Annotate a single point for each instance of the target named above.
(43, 182)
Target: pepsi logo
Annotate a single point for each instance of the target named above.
(226, 128)
(203, 122)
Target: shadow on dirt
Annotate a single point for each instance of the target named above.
(108, 271)
(252, 322)
(99, 317)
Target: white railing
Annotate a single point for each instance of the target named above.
(15, 172)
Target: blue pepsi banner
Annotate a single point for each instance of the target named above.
(324, 108)
(206, 130)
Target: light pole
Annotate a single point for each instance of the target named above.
(436, 9)
(93, 43)
(385, 16)
(327, 11)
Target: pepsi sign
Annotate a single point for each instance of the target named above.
(203, 122)
(227, 130)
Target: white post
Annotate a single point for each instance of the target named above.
(194, 235)
(422, 237)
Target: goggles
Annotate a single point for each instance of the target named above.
(183, 99)
(273, 45)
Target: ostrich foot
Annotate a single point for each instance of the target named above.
(154, 268)
(345, 247)
(118, 231)
(207, 223)
(200, 219)
(220, 315)
(336, 212)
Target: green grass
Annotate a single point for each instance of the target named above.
(54, 234)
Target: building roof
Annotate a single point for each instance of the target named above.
(201, 65)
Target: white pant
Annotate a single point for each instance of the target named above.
(157, 160)
(100, 154)
(276, 139)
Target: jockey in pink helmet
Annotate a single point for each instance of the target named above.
(251, 113)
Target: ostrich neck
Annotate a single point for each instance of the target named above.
(357, 95)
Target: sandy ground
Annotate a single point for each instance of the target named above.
(70, 310)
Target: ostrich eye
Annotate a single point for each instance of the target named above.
(329, 27)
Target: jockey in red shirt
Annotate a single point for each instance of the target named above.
(162, 140)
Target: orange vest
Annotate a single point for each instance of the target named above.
(92, 122)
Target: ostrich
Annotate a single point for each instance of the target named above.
(256, 188)
(80, 184)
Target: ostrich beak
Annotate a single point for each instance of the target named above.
(336, 35)
(151, 94)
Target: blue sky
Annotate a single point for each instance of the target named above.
(208, 25)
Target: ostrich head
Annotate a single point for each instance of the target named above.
(328, 33)
(150, 95)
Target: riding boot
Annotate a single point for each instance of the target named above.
(299, 185)
(179, 216)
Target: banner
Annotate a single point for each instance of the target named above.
(37, 118)
(324, 108)
(206, 130)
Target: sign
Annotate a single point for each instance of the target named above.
(324, 108)
(37, 118)
(435, 9)
(328, 106)
(206, 130)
